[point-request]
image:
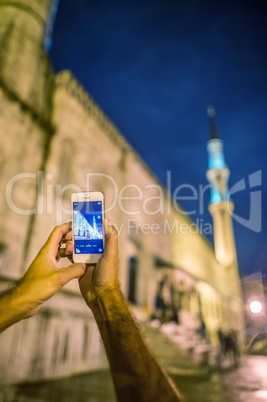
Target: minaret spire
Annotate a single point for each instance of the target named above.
(50, 25)
(220, 205)
(213, 127)
(215, 148)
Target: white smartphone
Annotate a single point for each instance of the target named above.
(88, 226)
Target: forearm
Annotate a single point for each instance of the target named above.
(136, 374)
(12, 308)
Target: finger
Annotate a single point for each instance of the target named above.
(68, 236)
(61, 253)
(65, 251)
(71, 272)
(69, 226)
(111, 239)
(69, 247)
(109, 227)
(55, 239)
(65, 238)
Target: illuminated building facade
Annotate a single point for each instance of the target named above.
(56, 140)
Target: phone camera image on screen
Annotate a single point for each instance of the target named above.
(88, 227)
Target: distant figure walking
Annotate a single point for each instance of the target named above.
(160, 302)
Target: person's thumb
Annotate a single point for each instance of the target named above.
(71, 272)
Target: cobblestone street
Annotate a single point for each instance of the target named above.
(248, 383)
(195, 379)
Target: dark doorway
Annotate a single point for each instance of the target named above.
(133, 267)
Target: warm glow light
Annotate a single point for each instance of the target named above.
(255, 306)
(261, 394)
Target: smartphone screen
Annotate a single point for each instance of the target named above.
(88, 227)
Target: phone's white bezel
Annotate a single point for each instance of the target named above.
(83, 197)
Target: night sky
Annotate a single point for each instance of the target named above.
(154, 67)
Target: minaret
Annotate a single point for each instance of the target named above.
(25, 72)
(50, 25)
(220, 205)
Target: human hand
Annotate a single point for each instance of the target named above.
(44, 278)
(103, 276)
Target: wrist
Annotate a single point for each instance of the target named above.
(108, 303)
(25, 300)
(18, 301)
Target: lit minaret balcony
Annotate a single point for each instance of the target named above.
(217, 173)
(220, 205)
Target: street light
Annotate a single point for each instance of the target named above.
(255, 306)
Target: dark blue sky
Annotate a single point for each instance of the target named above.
(155, 66)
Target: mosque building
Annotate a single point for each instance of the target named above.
(55, 140)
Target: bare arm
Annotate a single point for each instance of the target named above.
(136, 374)
(41, 281)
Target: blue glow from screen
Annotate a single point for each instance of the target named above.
(216, 162)
(215, 197)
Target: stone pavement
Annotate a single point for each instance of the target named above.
(98, 387)
(248, 383)
(92, 387)
(179, 351)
